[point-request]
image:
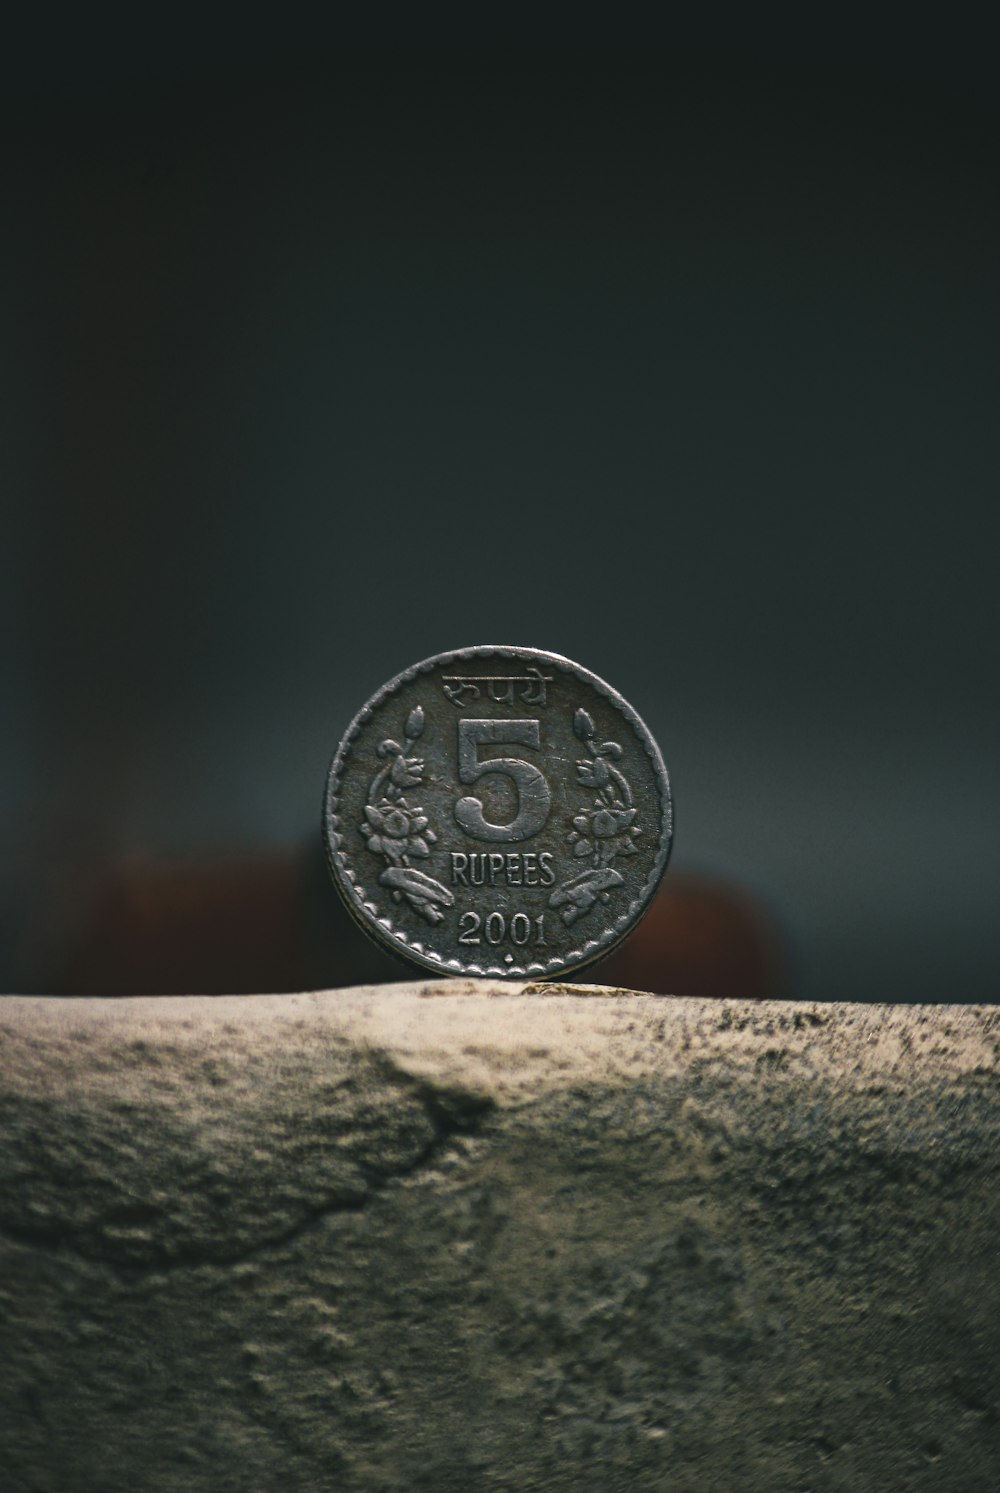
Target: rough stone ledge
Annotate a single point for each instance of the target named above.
(466, 1235)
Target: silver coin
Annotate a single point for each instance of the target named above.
(497, 811)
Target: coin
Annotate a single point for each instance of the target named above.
(497, 811)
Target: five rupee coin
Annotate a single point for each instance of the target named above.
(497, 811)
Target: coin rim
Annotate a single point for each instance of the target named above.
(397, 942)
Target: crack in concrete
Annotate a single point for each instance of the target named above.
(450, 1111)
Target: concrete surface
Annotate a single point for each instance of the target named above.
(452, 1236)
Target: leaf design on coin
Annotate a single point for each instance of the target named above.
(602, 832)
(399, 831)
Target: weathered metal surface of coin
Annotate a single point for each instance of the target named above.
(497, 811)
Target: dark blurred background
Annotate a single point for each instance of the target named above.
(675, 352)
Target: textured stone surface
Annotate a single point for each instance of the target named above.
(442, 1237)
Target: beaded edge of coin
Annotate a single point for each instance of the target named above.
(393, 939)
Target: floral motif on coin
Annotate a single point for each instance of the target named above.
(399, 831)
(602, 832)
